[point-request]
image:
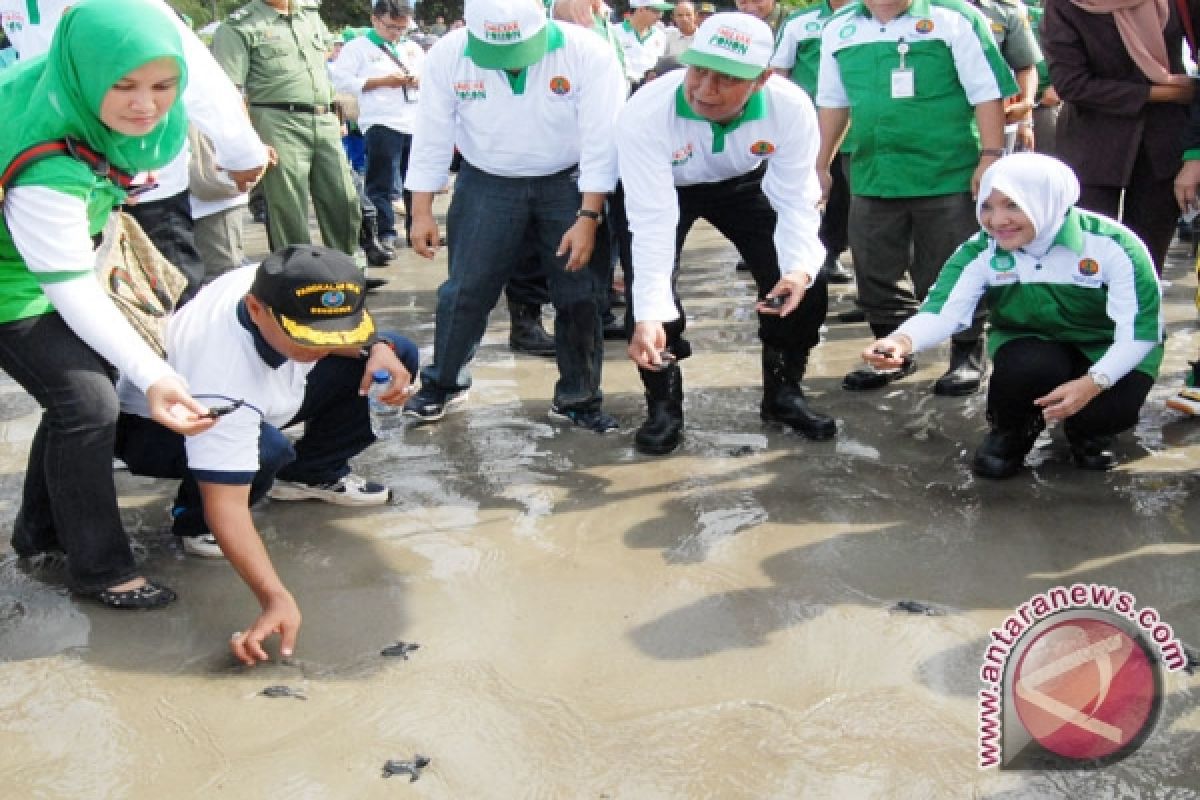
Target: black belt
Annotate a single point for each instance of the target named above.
(296, 108)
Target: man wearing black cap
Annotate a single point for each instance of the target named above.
(287, 342)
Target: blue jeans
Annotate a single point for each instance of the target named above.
(387, 166)
(491, 224)
(337, 428)
(69, 502)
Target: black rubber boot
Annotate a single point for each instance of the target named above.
(1002, 452)
(526, 334)
(783, 399)
(965, 372)
(368, 240)
(1091, 451)
(661, 432)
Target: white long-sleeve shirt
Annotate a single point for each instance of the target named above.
(360, 60)
(561, 113)
(662, 144)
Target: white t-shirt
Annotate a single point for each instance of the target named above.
(562, 115)
(659, 149)
(360, 60)
(217, 355)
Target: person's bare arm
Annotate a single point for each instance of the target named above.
(227, 512)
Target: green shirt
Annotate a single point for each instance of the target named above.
(920, 146)
(276, 57)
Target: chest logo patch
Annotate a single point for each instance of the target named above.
(847, 31)
(560, 85)
(682, 155)
(470, 90)
(762, 148)
(924, 26)
(1088, 267)
(1003, 262)
(813, 26)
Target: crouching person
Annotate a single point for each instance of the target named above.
(266, 347)
(1076, 316)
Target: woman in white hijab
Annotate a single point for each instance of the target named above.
(1076, 323)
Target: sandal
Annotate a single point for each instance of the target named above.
(151, 595)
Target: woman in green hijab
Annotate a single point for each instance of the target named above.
(112, 80)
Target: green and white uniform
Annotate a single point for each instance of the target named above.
(1095, 288)
(926, 144)
(799, 45)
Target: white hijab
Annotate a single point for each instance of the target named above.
(1043, 187)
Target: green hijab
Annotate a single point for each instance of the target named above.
(59, 94)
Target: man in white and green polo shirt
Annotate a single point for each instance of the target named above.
(530, 104)
(731, 143)
(925, 84)
(642, 38)
(797, 56)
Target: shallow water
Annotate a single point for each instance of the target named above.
(598, 624)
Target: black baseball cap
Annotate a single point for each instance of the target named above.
(316, 294)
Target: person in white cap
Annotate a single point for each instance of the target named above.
(516, 93)
(727, 142)
(642, 38)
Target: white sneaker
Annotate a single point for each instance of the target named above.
(204, 546)
(1187, 401)
(349, 491)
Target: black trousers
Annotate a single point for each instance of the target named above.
(1028, 368)
(834, 232)
(739, 209)
(168, 223)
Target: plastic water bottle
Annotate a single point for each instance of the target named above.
(381, 412)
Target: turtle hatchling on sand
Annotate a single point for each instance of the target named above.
(283, 691)
(410, 768)
(400, 650)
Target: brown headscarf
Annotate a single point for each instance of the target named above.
(1141, 24)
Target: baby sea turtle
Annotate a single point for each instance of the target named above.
(400, 650)
(917, 607)
(283, 691)
(410, 768)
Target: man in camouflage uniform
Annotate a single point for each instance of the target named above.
(1009, 22)
(276, 53)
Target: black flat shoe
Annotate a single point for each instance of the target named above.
(149, 596)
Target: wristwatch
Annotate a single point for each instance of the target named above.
(1101, 380)
(595, 216)
(994, 152)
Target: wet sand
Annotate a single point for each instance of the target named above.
(594, 623)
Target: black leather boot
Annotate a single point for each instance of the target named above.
(1002, 452)
(368, 240)
(965, 372)
(663, 428)
(783, 399)
(526, 334)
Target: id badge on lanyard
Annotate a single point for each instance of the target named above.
(904, 82)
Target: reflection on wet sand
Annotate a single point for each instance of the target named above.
(594, 623)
